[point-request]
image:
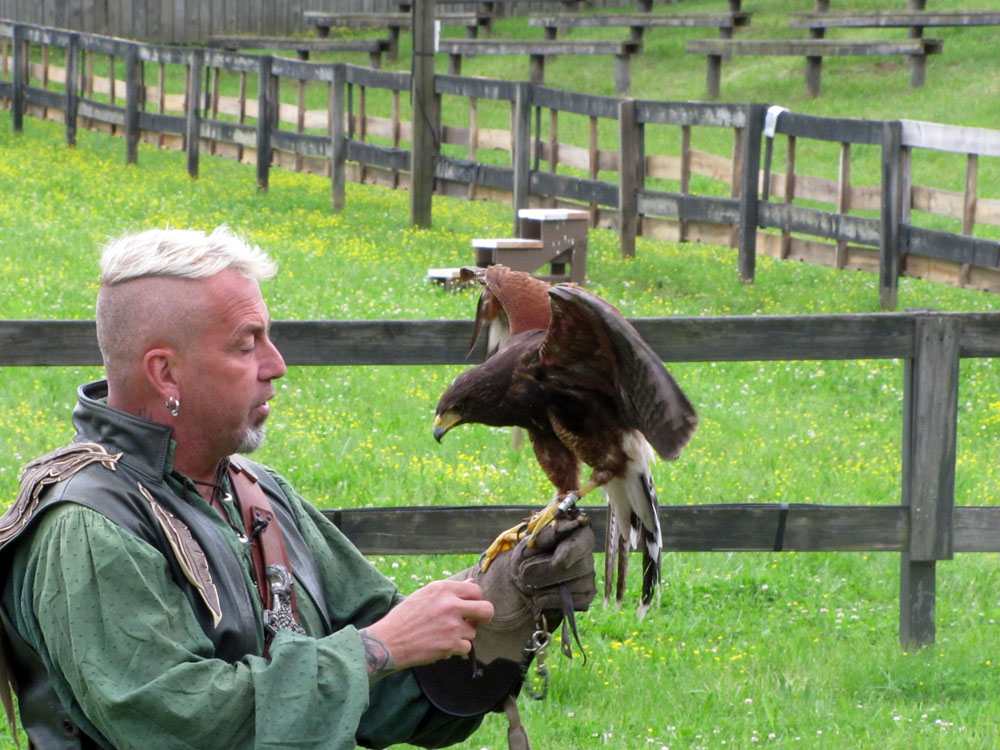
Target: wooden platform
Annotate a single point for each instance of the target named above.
(450, 278)
(395, 23)
(303, 46)
(547, 236)
(637, 23)
(894, 19)
(538, 50)
(814, 50)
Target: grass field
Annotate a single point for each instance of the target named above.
(746, 650)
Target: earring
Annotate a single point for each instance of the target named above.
(174, 405)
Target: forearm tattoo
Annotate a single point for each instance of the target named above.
(379, 660)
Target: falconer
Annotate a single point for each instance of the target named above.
(161, 590)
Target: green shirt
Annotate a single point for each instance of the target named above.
(128, 657)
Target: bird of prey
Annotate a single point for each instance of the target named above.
(572, 372)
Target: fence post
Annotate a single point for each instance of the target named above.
(20, 70)
(192, 130)
(338, 142)
(264, 123)
(749, 206)
(132, 105)
(522, 151)
(892, 199)
(930, 415)
(629, 175)
(72, 87)
(424, 141)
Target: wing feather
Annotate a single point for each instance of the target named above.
(591, 338)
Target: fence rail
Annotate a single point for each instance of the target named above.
(839, 222)
(924, 528)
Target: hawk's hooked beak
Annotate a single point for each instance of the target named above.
(444, 422)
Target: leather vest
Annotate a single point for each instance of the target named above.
(129, 489)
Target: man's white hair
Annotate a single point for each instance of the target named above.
(182, 254)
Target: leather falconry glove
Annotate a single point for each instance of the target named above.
(529, 587)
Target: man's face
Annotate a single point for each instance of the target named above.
(228, 369)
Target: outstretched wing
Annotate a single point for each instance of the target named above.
(591, 340)
(511, 302)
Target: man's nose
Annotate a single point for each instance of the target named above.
(273, 365)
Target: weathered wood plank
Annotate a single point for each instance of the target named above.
(976, 529)
(687, 207)
(688, 528)
(639, 20)
(691, 113)
(474, 173)
(471, 47)
(953, 247)
(44, 98)
(478, 88)
(427, 116)
(814, 47)
(361, 20)
(834, 226)
(929, 435)
(890, 245)
(837, 129)
(230, 132)
(303, 144)
(393, 80)
(575, 189)
(102, 112)
(589, 105)
(738, 338)
(630, 178)
(301, 70)
(171, 55)
(298, 44)
(890, 19)
(952, 138)
(386, 157)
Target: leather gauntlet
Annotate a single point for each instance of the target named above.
(553, 576)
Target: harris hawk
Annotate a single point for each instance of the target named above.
(568, 368)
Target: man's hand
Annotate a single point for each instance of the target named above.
(435, 622)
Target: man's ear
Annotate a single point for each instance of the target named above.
(160, 367)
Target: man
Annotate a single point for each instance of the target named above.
(162, 592)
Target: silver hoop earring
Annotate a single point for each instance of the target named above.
(174, 405)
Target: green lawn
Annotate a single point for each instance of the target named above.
(746, 650)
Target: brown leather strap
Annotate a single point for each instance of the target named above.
(267, 547)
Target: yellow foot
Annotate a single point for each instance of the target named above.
(539, 521)
(507, 540)
(530, 528)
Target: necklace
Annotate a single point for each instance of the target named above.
(219, 501)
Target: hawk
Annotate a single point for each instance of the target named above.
(565, 365)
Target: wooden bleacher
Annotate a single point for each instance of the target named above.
(538, 50)
(394, 22)
(637, 23)
(814, 50)
(303, 46)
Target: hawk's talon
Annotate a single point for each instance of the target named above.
(505, 541)
(530, 528)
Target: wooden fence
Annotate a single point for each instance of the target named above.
(193, 22)
(839, 222)
(924, 528)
